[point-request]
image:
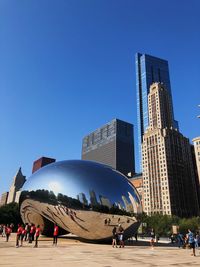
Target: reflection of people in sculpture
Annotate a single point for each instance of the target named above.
(55, 235)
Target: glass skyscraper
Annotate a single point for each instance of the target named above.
(149, 69)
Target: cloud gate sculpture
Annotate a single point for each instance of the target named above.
(83, 197)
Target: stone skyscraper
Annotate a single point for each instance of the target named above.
(18, 181)
(168, 174)
(196, 142)
(113, 145)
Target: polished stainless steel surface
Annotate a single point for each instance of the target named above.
(83, 197)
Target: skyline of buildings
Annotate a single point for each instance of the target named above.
(113, 145)
(168, 183)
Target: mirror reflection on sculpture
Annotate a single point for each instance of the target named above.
(85, 198)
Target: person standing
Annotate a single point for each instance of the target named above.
(121, 236)
(152, 240)
(19, 232)
(37, 234)
(180, 240)
(114, 237)
(27, 228)
(55, 235)
(191, 241)
(32, 233)
(8, 232)
(136, 236)
(23, 235)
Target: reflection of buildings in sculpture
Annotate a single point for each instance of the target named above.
(168, 175)
(137, 181)
(113, 145)
(17, 184)
(127, 204)
(105, 201)
(4, 198)
(82, 198)
(136, 207)
(41, 162)
(119, 205)
(93, 198)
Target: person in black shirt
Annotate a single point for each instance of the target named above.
(114, 237)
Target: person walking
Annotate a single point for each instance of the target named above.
(114, 237)
(19, 232)
(8, 232)
(152, 240)
(32, 233)
(191, 241)
(180, 240)
(198, 240)
(37, 234)
(55, 235)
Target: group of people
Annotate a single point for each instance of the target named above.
(190, 239)
(27, 232)
(118, 236)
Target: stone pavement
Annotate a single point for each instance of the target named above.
(72, 252)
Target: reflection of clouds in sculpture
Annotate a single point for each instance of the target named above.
(55, 187)
(79, 196)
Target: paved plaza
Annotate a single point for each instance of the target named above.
(72, 252)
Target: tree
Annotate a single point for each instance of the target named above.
(10, 213)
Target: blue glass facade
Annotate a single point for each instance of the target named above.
(149, 69)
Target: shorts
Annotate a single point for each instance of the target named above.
(120, 237)
(192, 245)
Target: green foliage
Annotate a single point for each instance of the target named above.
(162, 224)
(191, 223)
(9, 213)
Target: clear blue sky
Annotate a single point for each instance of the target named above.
(67, 67)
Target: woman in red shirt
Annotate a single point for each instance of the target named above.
(55, 235)
(8, 232)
